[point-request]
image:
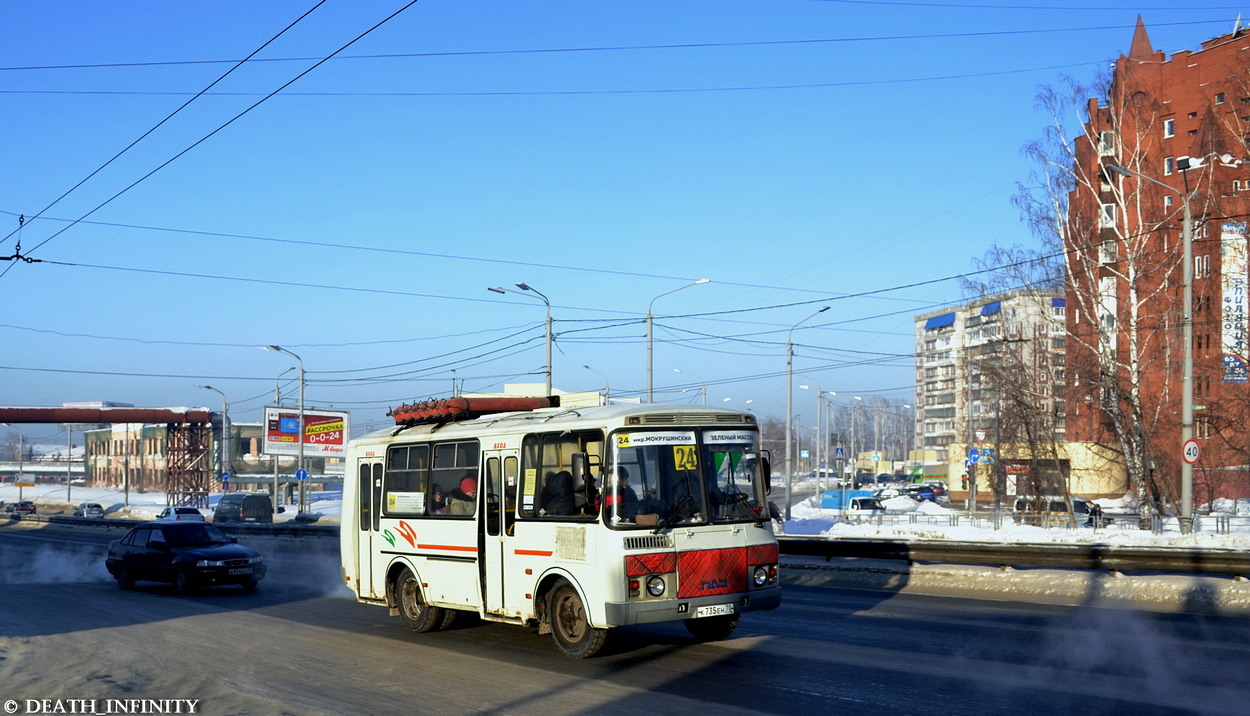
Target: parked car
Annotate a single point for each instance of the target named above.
(180, 513)
(919, 492)
(91, 510)
(244, 507)
(25, 507)
(940, 493)
(887, 493)
(1053, 512)
(186, 554)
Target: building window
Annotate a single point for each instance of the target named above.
(1169, 165)
(1169, 128)
(1202, 266)
(1167, 201)
(1106, 143)
(1219, 98)
(1107, 219)
(1202, 428)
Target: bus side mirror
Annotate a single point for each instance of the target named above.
(581, 465)
(583, 478)
(766, 473)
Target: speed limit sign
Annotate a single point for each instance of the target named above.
(1190, 451)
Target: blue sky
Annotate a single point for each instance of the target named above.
(795, 152)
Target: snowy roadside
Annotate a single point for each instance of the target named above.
(1075, 587)
(937, 522)
(51, 500)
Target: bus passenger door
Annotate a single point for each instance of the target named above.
(500, 511)
(369, 494)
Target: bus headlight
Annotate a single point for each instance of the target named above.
(760, 576)
(655, 585)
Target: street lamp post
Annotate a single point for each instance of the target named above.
(703, 389)
(223, 452)
(526, 287)
(21, 449)
(854, 453)
(650, 335)
(1187, 337)
(818, 447)
(789, 406)
(277, 403)
(299, 463)
(607, 387)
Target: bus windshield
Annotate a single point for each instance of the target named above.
(674, 477)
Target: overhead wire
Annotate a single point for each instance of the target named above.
(648, 47)
(227, 123)
(168, 117)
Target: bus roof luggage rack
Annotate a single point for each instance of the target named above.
(449, 409)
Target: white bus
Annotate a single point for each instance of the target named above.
(504, 508)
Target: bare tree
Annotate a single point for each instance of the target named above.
(1111, 240)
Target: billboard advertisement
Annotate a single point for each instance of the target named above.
(1235, 319)
(324, 433)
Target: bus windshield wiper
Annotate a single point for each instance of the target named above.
(684, 503)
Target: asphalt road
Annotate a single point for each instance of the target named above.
(301, 645)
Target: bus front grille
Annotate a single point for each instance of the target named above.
(648, 542)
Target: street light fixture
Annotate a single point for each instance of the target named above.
(822, 451)
(223, 452)
(526, 287)
(703, 389)
(300, 437)
(1187, 337)
(277, 390)
(607, 387)
(650, 335)
(789, 408)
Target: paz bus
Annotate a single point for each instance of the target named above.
(573, 520)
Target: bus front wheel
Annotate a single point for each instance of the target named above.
(417, 615)
(570, 625)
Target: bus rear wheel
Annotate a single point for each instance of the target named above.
(417, 615)
(712, 628)
(570, 625)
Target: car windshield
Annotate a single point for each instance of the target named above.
(671, 477)
(193, 534)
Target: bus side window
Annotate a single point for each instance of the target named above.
(510, 474)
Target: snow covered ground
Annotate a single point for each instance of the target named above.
(932, 521)
(51, 500)
(949, 522)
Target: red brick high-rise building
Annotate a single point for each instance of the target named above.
(1180, 126)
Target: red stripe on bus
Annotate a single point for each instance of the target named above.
(534, 552)
(450, 547)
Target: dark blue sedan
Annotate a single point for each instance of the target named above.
(184, 554)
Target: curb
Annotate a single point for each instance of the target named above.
(1173, 593)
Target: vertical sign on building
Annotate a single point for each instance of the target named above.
(1234, 319)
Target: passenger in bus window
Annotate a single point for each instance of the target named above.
(438, 503)
(621, 497)
(557, 497)
(463, 499)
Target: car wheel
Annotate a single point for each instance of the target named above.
(417, 615)
(124, 580)
(712, 628)
(570, 625)
(182, 583)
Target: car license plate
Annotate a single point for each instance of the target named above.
(242, 570)
(714, 610)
